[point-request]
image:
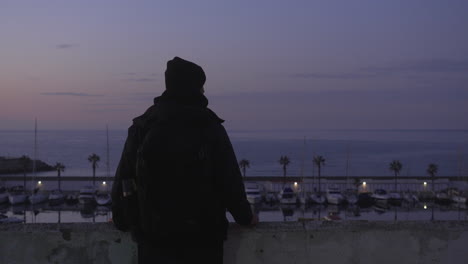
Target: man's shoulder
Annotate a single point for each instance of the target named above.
(214, 116)
(149, 114)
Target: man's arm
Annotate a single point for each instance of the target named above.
(125, 170)
(232, 184)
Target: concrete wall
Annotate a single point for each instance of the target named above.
(285, 243)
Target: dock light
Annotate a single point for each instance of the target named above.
(295, 184)
(39, 182)
(425, 183)
(425, 207)
(364, 184)
(103, 183)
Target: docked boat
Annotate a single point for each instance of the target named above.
(395, 198)
(456, 196)
(443, 197)
(426, 196)
(350, 196)
(459, 199)
(271, 197)
(71, 199)
(334, 196)
(56, 197)
(410, 197)
(252, 191)
(38, 197)
(381, 208)
(3, 195)
(17, 195)
(303, 198)
(380, 196)
(6, 219)
(288, 211)
(317, 198)
(103, 198)
(88, 210)
(288, 196)
(365, 199)
(87, 195)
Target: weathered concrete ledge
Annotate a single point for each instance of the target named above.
(290, 242)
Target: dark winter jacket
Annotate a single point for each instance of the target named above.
(178, 113)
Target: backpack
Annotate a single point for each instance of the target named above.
(176, 193)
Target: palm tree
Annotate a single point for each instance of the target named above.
(396, 166)
(284, 161)
(432, 170)
(59, 167)
(243, 164)
(319, 161)
(94, 159)
(24, 160)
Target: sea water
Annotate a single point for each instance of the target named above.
(346, 152)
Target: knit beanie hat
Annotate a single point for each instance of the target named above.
(184, 76)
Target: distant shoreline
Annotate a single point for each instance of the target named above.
(13, 165)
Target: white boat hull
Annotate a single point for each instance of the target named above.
(253, 193)
(380, 198)
(38, 198)
(254, 199)
(103, 199)
(56, 198)
(351, 199)
(17, 198)
(9, 220)
(302, 200)
(317, 199)
(459, 199)
(334, 199)
(86, 199)
(271, 198)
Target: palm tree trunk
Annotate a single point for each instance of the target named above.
(24, 180)
(243, 170)
(432, 177)
(284, 175)
(59, 182)
(94, 174)
(319, 189)
(396, 174)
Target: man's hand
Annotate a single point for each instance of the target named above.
(254, 220)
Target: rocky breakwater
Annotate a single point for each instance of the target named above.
(22, 165)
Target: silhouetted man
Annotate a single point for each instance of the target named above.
(178, 174)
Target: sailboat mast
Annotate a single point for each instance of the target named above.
(302, 166)
(107, 162)
(347, 166)
(35, 147)
(35, 153)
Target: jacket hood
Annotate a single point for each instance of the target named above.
(171, 106)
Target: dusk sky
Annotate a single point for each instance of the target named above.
(364, 64)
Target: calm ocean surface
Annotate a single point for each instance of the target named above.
(369, 151)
